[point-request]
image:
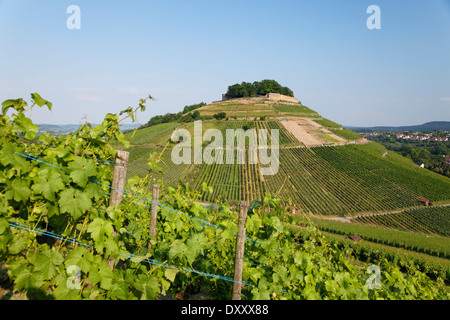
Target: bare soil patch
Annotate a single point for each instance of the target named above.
(300, 133)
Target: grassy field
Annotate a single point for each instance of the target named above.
(328, 138)
(156, 135)
(346, 134)
(328, 123)
(294, 110)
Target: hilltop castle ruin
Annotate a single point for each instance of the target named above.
(271, 96)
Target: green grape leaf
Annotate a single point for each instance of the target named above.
(119, 291)
(3, 204)
(253, 205)
(74, 202)
(48, 182)
(40, 101)
(153, 162)
(195, 245)
(19, 190)
(112, 248)
(253, 274)
(94, 191)
(62, 292)
(276, 223)
(310, 293)
(46, 262)
(15, 267)
(81, 169)
(178, 249)
(280, 275)
(52, 209)
(46, 138)
(17, 244)
(261, 292)
(29, 129)
(8, 156)
(253, 223)
(170, 274)
(100, 230)
(24, 281)
(5, 236)
(101, 273)
(149, 287)
(18, 104)
(331, 286)
(4, 225)
(207, 188)
(80, 257)
(196, 208)
(61, 151)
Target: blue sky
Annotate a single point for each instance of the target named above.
(185, 52)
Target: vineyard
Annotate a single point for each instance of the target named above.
(231, 182)
(367, 252)
(393, 175)
(428, 220)
(61, 238)
(334, 180)
(432, 245)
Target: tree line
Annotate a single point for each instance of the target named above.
(257, 88)
(182, 116)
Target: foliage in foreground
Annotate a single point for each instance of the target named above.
(59, 186)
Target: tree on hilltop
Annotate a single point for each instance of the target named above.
(247, 89)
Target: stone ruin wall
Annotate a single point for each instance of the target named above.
(280, 97)
(273, 96)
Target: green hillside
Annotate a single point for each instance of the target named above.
(336, 178)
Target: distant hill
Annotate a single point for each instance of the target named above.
(433, 125)
(58, 129)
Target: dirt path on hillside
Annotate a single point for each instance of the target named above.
(308, 132)
(318, 127)
(300, 133)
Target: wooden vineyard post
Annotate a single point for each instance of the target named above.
(118, 186)
(119, 178)
(239, 257)
(155, 197)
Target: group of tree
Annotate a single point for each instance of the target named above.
(257, 88)
(183, 116)
(220, 116)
